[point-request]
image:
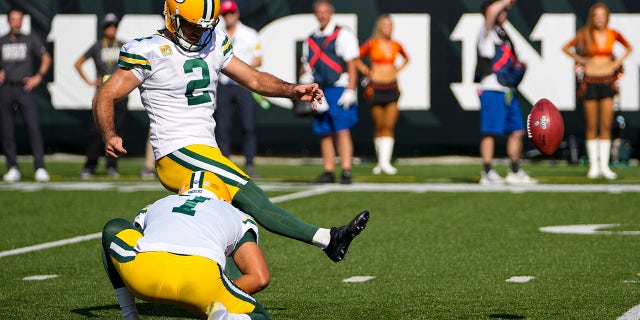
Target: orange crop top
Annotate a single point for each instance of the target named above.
(381, 54)
(607, 49)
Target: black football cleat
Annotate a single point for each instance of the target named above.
(325, 177)
(341, 237)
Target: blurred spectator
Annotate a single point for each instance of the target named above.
(105, 54)
(329, 55)
(597, 71)
(149, 166)
(381, 88)
(231, 95)
(18, 54)
(499, 108)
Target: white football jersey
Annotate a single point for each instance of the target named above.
(193, 225)
(178, 88)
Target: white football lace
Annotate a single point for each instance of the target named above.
(529, 135)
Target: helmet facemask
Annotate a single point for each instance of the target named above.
(183, 39)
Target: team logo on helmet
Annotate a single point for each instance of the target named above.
(205, 184)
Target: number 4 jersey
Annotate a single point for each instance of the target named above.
(178, 88)
(193, 225)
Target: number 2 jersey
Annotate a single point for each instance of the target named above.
(193, 225)
(178, 88)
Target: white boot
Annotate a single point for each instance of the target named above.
(377, 169)
(385, 145)
(605, 152)
(592, 154)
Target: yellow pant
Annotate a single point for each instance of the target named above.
(173, 168)
(189, 282)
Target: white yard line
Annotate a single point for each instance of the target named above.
(310, 191)
(632, 314)
(95, 186)
(48, 245)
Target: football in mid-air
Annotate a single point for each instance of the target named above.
(545, 126)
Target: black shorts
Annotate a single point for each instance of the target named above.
(596, 88)
(381, 93)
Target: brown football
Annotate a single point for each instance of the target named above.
(545, 126)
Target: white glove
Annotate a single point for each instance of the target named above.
(322, 107)
(347, 99)
(306, 78)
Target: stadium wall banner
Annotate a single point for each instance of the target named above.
(439, 100)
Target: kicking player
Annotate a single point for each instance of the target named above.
(177, 71)
(176, 253)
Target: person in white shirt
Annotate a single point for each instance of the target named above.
(177, 72)
(175, 252)
(233, 97)
(329, 58)
(499, 108)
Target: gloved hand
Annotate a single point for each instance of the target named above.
(322, 106)
(306, 78)
(347, 99)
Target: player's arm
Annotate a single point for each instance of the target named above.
(266, 84)
(119, 85)
(252, 264)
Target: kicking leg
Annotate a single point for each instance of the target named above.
(251, 199)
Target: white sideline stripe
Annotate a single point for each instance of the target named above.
(48, 245)
(53, 244)
(302, 194)
(632, 314)
(311, 191)
(356, 187)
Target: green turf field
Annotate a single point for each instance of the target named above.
(438, 246)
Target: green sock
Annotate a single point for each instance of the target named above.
(254, 202)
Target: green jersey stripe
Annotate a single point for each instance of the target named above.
(128, 65)
(130, 60)
(134, 57)
(183, 155)
(226, 46)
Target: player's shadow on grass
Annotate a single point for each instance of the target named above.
(144, 309)
(505, 316)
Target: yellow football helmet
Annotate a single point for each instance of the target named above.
(205, 184)
(201, 13)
